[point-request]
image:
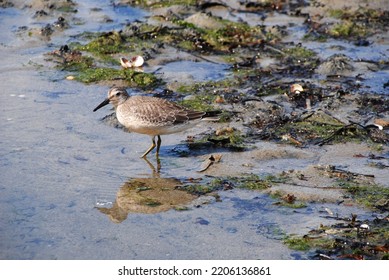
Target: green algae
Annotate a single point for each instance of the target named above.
(199, 103)
(248, 181)
(64, 6)
(356, 24)
(132, 77)
(348, 29)
(256, 182)
(192, 37)
(322, 118)
(234, 35)
(187, 45)
(205, 188)
(151, 203)
(300, 56)
(232, 140)
(285, 200)
(304, 244)
(66, 9)
(320, 128)
(205, 96)
(336, 13)
(299, 53)
(373, 196)
(360, 15)
(221, 39)
(198, 189)
(81, 64)
(315, 37)
(347, 239)
(306, 131)
(106, 47)
(294, 205)
(207, 88)
(107, 43)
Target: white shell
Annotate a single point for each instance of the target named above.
(364, 227)
(125, 63)
(134, 62)
(381, 123)
(296, 88)
(137, 61)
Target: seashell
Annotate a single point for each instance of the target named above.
(137, 61)
(134, 62)
(364, 227)
(209, 161)
(381, 123)
(296, 88)
(125, 63)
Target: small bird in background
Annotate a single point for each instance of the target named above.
(151, 115)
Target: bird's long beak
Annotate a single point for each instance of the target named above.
(102, 104)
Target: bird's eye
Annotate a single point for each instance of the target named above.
(118, 93)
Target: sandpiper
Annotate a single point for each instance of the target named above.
(151, 115)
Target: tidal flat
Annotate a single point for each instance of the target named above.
(296, 167)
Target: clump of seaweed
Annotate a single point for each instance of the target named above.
(350, 239)
(248, 181)
(132, 77)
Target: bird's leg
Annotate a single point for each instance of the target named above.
(149, 149)
(159, 141)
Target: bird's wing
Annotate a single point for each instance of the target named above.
(161, 111)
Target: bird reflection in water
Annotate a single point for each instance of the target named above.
(147, 195)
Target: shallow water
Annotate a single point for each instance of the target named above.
(58, 162)
(193, 71)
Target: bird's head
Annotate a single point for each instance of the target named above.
(116, 96)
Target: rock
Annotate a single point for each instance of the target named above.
(338, 64)
(204, 21)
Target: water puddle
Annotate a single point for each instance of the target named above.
(191, 71)
(13, 19)
(103, 16)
